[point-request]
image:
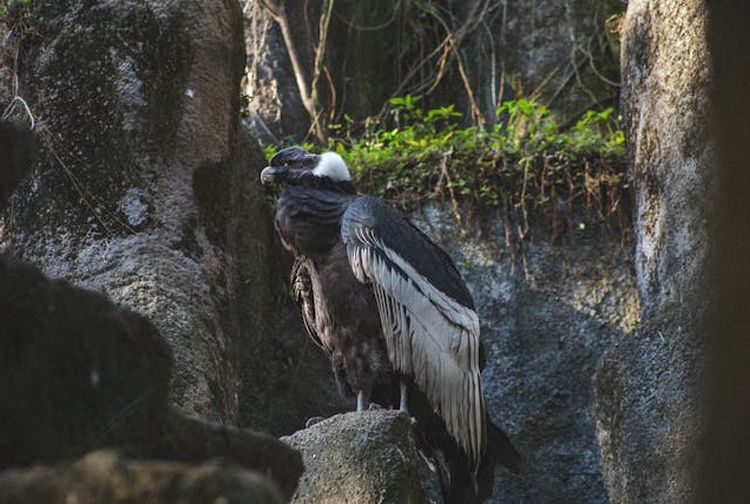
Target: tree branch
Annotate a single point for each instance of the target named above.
(278, 13)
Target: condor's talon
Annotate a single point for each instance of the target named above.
(313, 420)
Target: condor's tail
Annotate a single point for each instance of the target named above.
(501, 451)
(459, 484)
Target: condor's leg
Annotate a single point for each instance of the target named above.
(363, 400)
(403, 402)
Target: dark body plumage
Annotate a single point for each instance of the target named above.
(340, 317)
(391, 310)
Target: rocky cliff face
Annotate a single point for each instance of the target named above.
(146, 185)
(648, 385)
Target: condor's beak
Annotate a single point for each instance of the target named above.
(271, 174)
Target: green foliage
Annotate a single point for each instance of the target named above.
(526, 164)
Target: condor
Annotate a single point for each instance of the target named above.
(392, 312)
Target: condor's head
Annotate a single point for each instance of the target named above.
(296, 166)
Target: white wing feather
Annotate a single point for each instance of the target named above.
(429, 336)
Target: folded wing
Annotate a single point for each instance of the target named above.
(427, 314)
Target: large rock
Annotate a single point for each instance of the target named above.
(363, 457)
(146, 187)
(103, 477)
(176, 226)
(647, 387)
(78, 373)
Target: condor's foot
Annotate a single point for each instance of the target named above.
(313, 420)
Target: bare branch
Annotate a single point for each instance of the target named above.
(320, 51)
(278, 13)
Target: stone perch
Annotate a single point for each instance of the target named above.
(365, 457)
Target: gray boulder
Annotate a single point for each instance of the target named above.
(79, 373)
(364, 457)
(648, 386)
(155, 200)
